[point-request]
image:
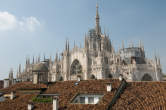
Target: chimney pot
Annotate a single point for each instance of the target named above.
(55, 103)
(78, 78)
(109, 87)
(120, 78)
(12, 95)
(30, 106)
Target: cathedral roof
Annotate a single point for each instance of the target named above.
(137, 95)
(41, 67)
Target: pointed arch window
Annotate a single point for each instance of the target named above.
(76, 67)
(147, 77)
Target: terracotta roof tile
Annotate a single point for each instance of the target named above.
(23, 85)
(137, 96)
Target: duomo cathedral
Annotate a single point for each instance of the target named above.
(96, 60)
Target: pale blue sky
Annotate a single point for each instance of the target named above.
(33, 27)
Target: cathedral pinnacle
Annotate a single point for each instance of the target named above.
(98, 30)
(97, 14)
(19, 68)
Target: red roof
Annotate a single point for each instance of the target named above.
(137, 95)
(22, 85)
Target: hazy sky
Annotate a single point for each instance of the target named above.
(32, 27)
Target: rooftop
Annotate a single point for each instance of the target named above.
(21, 86)
(137, 95)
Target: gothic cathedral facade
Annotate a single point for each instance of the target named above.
(97, 60)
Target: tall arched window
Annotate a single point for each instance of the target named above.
(110, 76)
(76, 67)
(146, 77)
(92, 77)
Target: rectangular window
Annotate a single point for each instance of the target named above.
(87, 99)
(90, 100)
(96, 100)
(82, 100)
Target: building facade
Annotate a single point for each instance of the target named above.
(10, 81)
(97, 60)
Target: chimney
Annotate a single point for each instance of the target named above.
(30, 106)
(12, 95)
(78, 78)
(55, 103)
(109, 87)
(120, 78)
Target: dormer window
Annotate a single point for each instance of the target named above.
(82, 100)
(91, 100)
(87, 99)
